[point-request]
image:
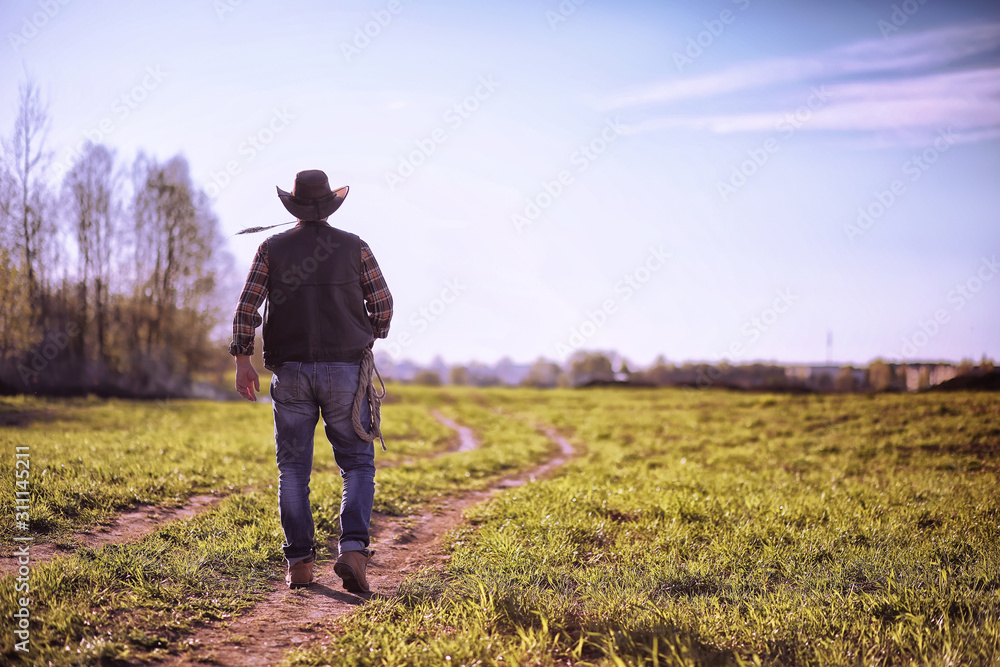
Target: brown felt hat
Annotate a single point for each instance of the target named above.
(311, 197)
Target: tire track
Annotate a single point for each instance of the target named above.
(146, 519)
(129, 527)
(466, 438)
(289, 619)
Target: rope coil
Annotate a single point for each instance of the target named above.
(366, 388)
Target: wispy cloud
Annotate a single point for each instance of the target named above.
(900, 84)
(968, 99)
(905, 53)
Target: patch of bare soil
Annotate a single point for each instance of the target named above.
(127, 527)
(466, 438)
(135, 525)
(289, 619)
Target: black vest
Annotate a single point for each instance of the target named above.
(315, 308)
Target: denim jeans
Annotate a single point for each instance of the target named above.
(301, 392)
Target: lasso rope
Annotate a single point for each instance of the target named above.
(366, 387)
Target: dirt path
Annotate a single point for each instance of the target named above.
(127, 527)
(466, 439)
(137, 524)
(290, 619)
(565, 449)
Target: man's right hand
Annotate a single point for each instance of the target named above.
(246, 377)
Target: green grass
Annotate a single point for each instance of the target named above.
(91, 459)
(136, 600)
(716, 528)
(703, 528)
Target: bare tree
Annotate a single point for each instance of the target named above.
(89, 195)
(8, 234)
(17, 330)
(177, 249)
(26, 158)
(149, 323)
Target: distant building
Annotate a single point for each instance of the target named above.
(922, 376)
(821, 377)
(878, 376)
(909, 377)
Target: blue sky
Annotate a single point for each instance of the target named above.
(704, 180)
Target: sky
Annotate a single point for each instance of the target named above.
(739, 180)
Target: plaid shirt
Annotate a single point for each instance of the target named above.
(378, 300)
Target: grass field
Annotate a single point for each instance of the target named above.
(706, 528)
(94, 458)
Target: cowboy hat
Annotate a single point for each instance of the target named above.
(311, 197)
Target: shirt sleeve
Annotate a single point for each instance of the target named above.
(378, 300)
(247, 319)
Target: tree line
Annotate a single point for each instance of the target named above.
(586, 368)
(109, 273)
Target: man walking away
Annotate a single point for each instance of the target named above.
(325, 304)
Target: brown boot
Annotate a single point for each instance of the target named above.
(352, 568)
(300, 575)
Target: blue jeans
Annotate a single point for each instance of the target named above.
(301, 391)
